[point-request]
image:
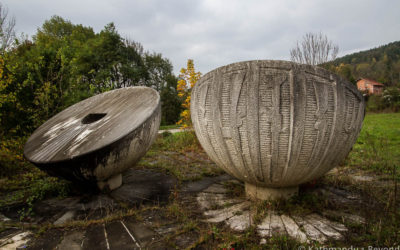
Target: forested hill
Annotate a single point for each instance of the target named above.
(381, 64)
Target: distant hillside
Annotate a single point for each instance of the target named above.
(381, 64)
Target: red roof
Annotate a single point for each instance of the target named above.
(371, 82)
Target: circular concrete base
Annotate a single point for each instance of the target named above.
(110, 184)
(265, 193)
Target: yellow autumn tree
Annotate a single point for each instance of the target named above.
(187, 79)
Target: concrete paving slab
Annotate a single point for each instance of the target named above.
(15, 241)
(220, 215)
(49, 240)
(143, 234)
(144, 186)
(277, 227)
(326, 229)
(66, 217)
(200, 185)
(311, 232)
(95, 238)
(211, 200)
(118, 237)
(167, 229)
(72, 241)
(264, 228)
(240, 222)
(335, 225)
(293, 229)
(353, 218)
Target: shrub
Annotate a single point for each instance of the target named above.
(12, 160)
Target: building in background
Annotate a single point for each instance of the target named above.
(370, 87)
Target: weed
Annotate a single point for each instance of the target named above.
(32, 187)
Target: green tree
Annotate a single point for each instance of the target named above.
(171, 104)
(158, 70)
(65, 63)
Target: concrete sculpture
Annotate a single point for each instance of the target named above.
(93, 141)
(275, 124)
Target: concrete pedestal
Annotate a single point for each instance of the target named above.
(265, 193)
(110, 184)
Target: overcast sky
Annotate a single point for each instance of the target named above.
(217, 32)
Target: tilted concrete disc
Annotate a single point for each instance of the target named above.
(275, 124)
(93, 141)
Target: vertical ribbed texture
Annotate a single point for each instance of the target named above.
(275, 123)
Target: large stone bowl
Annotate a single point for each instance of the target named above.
(275, 124)
(93, 141)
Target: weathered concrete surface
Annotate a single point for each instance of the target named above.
(119, 237)
(265, 193)
(68, 216)
(143, 234)
(72, 241)
(312, 232)
(238, 215)
(223, 214)
(112, 183)
(275, 123)
(205, 182)
(210, 200)
(276, 224)
(353, 218)
(155, 229)
(15, 241)
(144, 186)
(293, 229)
(97, 138)
(325, 228)
(95, 238)
(140, 187)
(240, 222)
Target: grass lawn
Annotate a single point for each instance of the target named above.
(378, 146)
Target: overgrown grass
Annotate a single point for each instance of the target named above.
(181, 155)
(21, 183)
(378, 145)
(179, 142)
(27, 188)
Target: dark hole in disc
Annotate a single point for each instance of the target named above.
(93, 117)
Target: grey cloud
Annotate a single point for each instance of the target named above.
(215, 33)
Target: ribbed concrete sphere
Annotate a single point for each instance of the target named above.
(276, 124)
(93, 141)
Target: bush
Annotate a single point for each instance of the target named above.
(375, 103)
(388, 101)
(12, 160)
(391, 98)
